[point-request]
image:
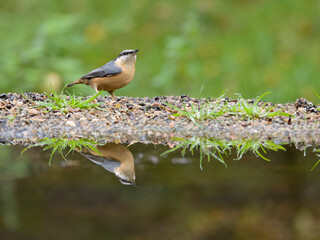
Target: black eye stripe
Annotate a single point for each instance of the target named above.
(124, 180)
(126, 53)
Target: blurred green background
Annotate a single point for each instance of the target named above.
(193, 47)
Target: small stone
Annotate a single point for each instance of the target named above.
(70, 123)
(33, 111)
(83, 124)
(19, 103)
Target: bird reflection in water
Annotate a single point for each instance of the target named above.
(115, 158)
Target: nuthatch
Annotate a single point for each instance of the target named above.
(115, 74)
(115, 158)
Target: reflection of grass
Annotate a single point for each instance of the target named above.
(215, 109)
(208, 147)
(255, 146)
(318, 155)
(60, 144)
(211, 147)
(60, 102)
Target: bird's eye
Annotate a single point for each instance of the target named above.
(126, 53)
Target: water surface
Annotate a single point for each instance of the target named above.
(78, 199)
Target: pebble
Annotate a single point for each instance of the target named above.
(302, 110)
(33, 111)
(70, 123)
(19, 104)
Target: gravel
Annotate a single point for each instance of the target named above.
(149, 120)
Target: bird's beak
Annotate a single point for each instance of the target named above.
(134, 184)
(135, 51)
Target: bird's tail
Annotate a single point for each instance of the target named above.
(71, 84)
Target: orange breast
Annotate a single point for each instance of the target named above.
(115, 82)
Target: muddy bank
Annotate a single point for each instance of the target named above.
(148, 120)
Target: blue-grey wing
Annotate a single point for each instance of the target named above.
(107, 163)
(107, 70)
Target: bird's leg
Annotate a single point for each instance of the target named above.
(112, 94)
(134, 104)
(96, 89)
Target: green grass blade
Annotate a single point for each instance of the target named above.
(316, 93)
(315, 165)
(259, 98)
(172, 149)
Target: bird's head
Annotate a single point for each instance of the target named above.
(126, 177)
(127, 55)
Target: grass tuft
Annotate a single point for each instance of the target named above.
(215, 109)
(256, 109)
(63, 103)
(60, 144)
(205, 111)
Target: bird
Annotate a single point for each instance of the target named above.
(114, 75)
(115, 158)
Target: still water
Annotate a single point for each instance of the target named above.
(84, 199)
